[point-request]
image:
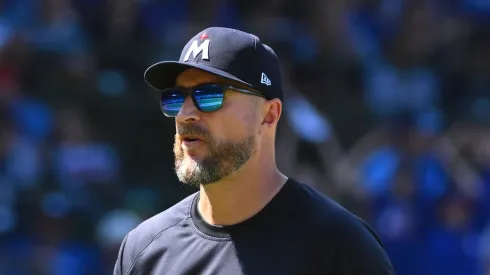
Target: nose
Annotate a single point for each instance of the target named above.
(188, 112)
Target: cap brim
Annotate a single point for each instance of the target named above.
(163, 75)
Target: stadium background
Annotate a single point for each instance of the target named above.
(387, 111)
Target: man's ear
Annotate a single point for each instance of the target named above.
(272, 112)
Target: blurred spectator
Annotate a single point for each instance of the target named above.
(56, 29)
(85, 168)
(400, 79)
(398, 220)
(452, 244)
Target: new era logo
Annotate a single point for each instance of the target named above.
(265, 80)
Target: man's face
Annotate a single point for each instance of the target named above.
(211, 146)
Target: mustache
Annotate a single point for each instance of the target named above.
(192, 130)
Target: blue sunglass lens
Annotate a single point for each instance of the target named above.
(209, 98)
(171, 102)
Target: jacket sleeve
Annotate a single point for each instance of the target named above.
(361, 252)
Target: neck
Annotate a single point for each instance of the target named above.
(242, 195)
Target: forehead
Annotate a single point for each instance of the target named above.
(194, 77)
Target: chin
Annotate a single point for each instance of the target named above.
(187, 164)
(197, 157)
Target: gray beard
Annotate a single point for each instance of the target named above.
(221, 161)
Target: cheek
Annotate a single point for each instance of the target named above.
(233, 128)
(236, 120)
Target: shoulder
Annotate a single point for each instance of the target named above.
(324, 211)
(357, 246)
(320, 207)
(138, 239)
(164, 220)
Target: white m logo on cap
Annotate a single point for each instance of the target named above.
(194, 49)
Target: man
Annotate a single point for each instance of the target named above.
(248, 218)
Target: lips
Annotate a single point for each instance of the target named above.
(191, 142)
(189, 138)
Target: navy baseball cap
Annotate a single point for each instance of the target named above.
(232, 54)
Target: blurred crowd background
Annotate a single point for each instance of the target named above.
(387, 111)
